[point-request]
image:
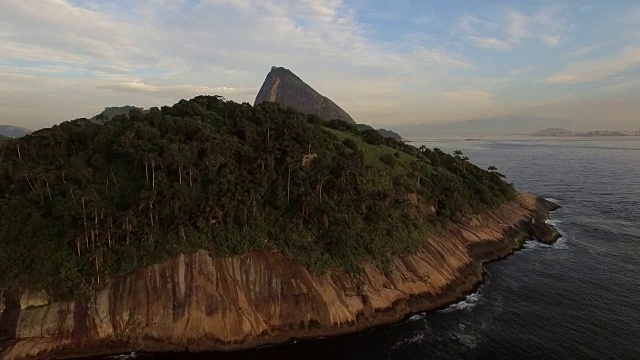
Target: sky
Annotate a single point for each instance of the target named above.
(387, 63)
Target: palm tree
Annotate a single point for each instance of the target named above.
(457, 153)
(494, 170)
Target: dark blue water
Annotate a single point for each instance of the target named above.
(577, 299)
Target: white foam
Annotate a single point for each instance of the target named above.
(553, 222)
(466, 339)
(124, 356)
(560, 244)
(553, 200)
(416, 337)
(467, 304)
(535, 244)
(417, 317)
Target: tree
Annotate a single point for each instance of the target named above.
(83, 202)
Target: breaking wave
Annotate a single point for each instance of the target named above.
(467, 304)
(125, 356)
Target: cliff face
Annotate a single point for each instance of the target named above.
(285, 88)
(195, 302)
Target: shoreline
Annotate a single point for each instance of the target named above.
(389, 299)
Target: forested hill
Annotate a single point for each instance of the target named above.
(82, 202)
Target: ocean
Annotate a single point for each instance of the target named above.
(576, 299)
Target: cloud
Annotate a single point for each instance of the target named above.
(491, 43)
(422, 19)
(510, 29)
(551, 40)
(587, 7)
(587, 71)
(72, 58)
(623, 84)
(440, 57)
(468, 93)
(136, 86)
(583, 51)
(521, 70)
(10, 77)
(633, 16)
(153, 52)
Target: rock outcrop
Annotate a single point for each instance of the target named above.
(110, 112)
(195, 302)
(285, 88)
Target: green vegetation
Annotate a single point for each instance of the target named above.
(81, 202)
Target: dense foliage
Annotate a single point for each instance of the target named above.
(81, 202)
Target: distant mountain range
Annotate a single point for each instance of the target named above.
(565, 132)
(11, 131)
(553, 132)
(502, 125)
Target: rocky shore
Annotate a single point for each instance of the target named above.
(198, 303)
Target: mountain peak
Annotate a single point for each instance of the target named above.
(285, 88)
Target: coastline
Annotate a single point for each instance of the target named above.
(181, 316)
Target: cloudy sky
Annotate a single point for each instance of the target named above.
(385, 62)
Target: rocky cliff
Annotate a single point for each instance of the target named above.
(284, 87)
(195, 302)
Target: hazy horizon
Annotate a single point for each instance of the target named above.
(390, 64)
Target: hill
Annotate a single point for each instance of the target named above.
(86, 202)
(553, 132)
(390, 134)
(13, 131)
(384, 132)
(285, 88)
